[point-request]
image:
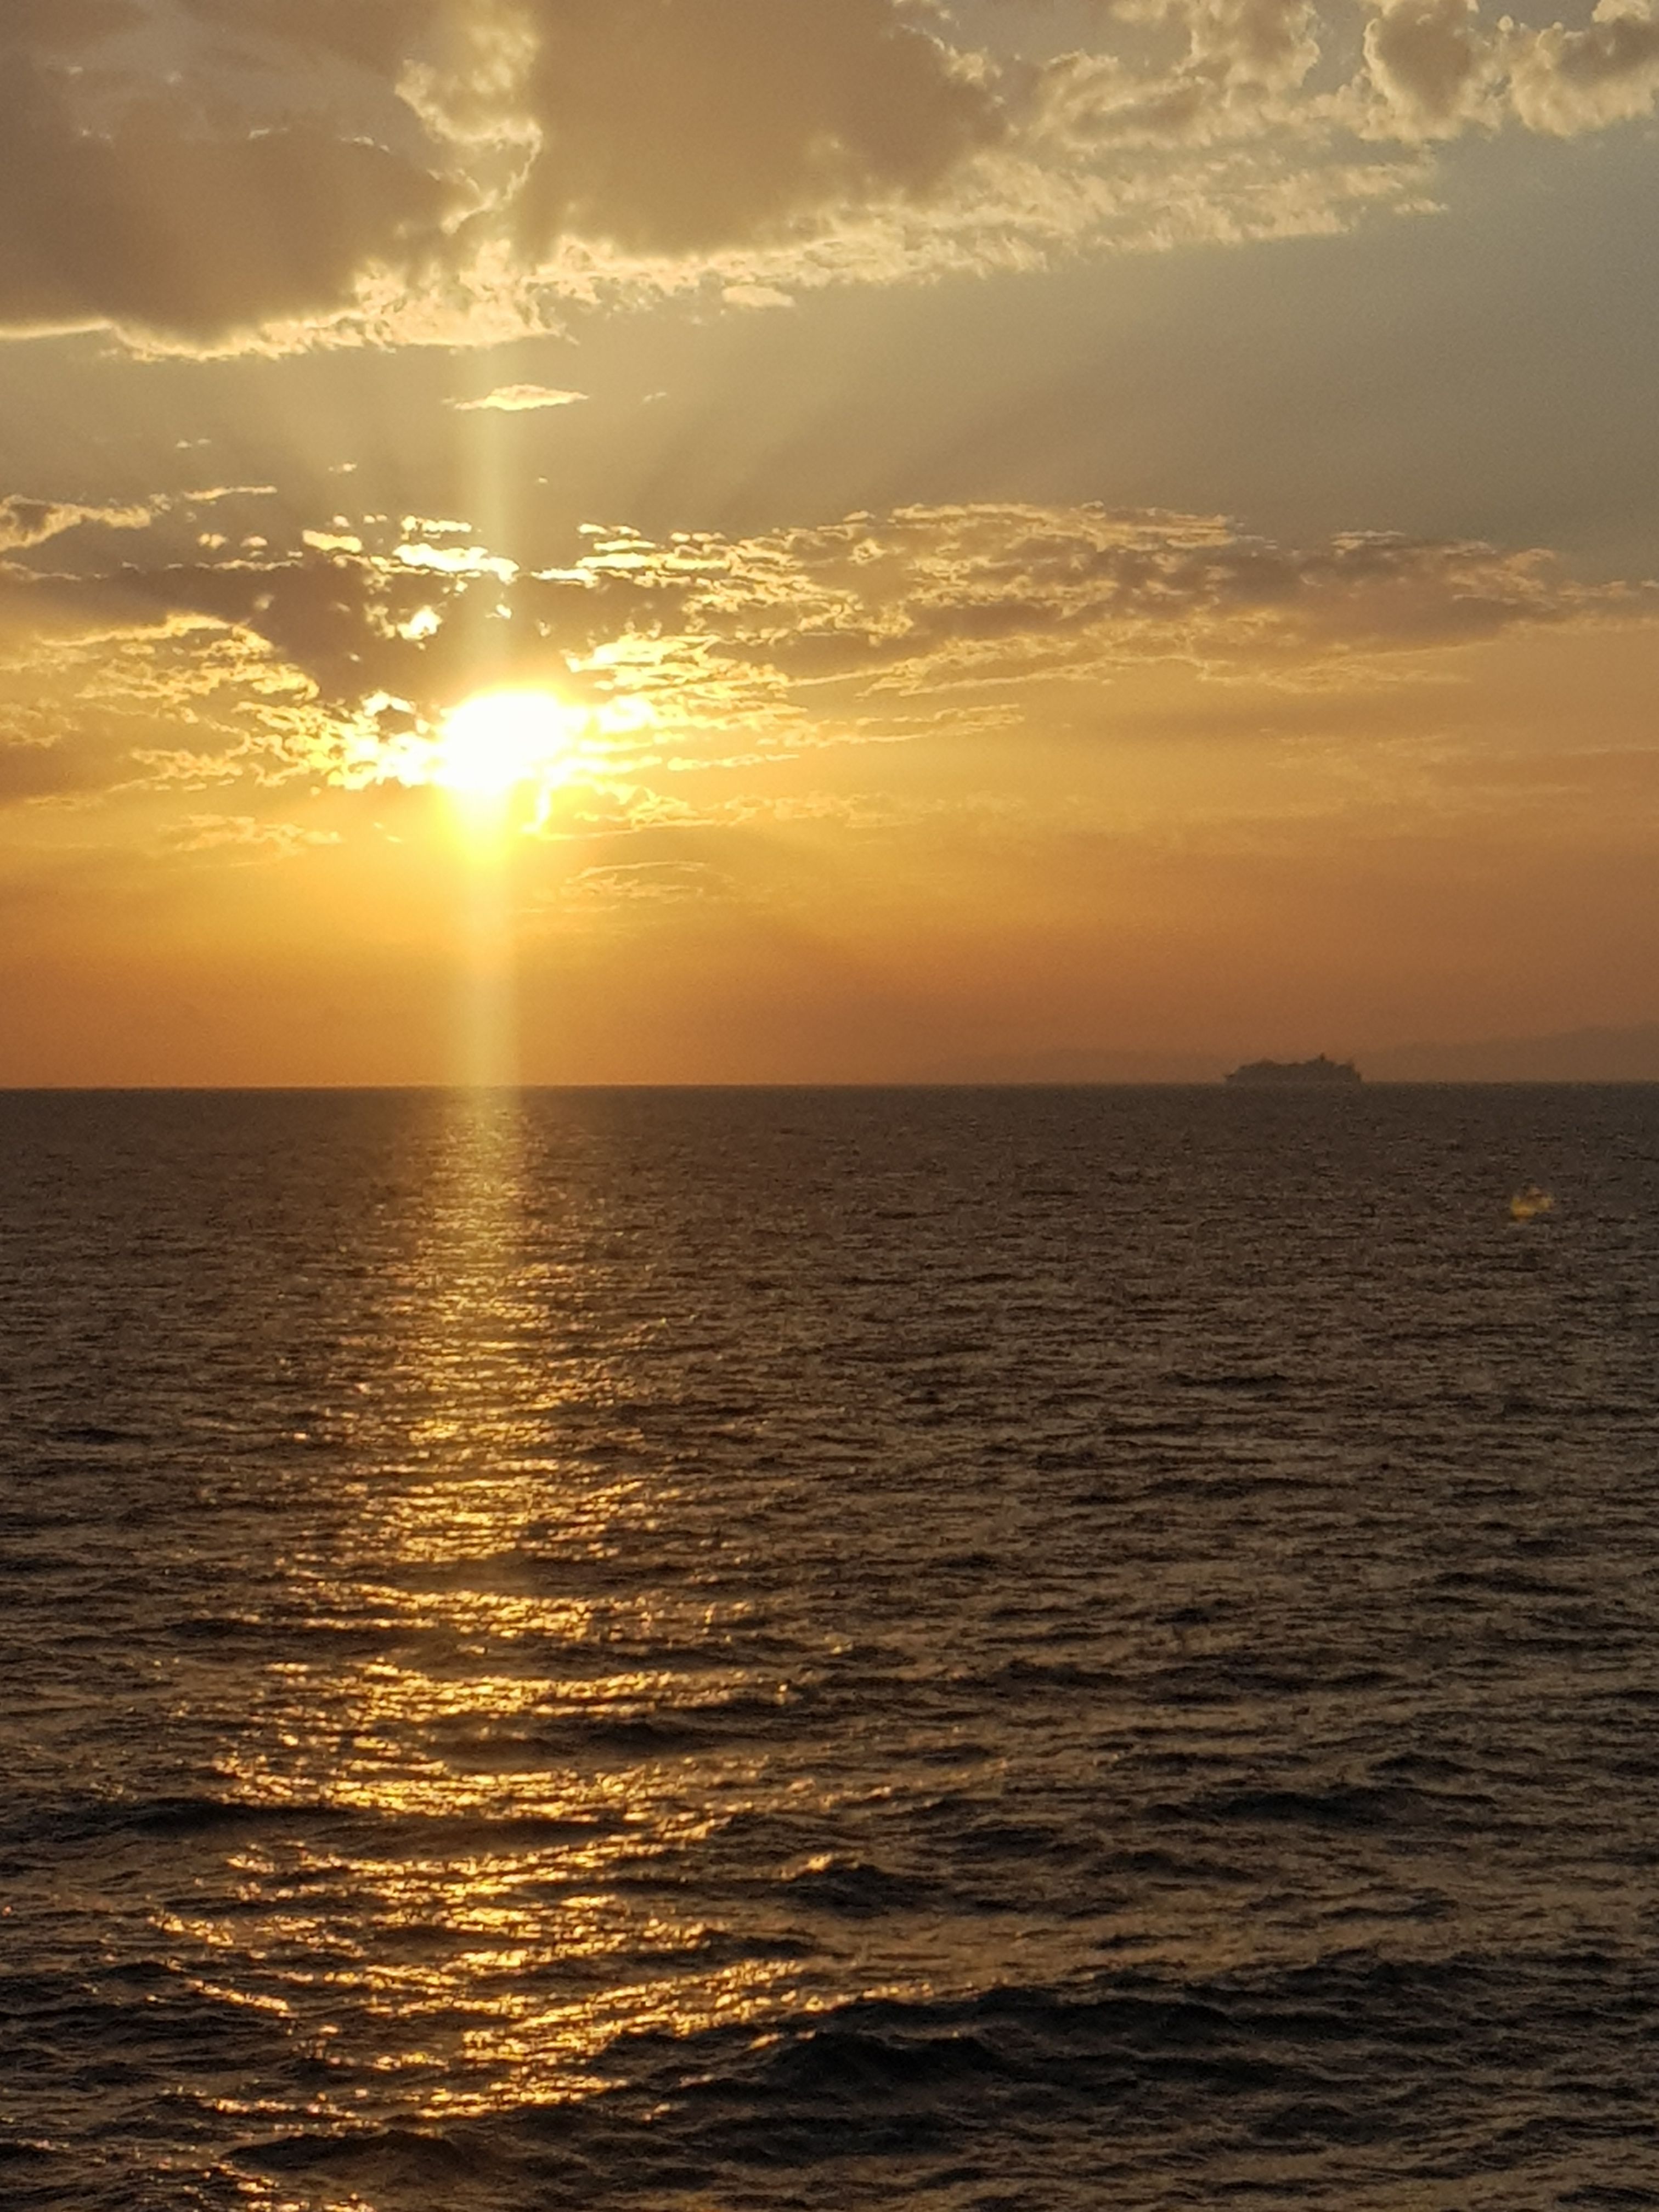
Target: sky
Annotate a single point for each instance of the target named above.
(640, 541)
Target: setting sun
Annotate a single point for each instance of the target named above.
(496, 741)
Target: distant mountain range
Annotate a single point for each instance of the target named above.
(1591, 1055)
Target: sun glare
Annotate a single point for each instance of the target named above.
(497, 740)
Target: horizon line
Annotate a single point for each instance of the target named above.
(827, 1083)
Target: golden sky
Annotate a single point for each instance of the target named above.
(700, 540)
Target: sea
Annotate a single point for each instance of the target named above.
(1094, 1651)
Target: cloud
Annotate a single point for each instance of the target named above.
(648, 883)
(1564, 82)
(707, 649)
(988, 595)
(207, 175)
(27, 522)
(1440, 69)
(705, 652)
(676, 126)
(130, 194)
(194, 237)
(1430, 61)
(243, 834)
(205, 171)
(211, 494)
(1267, 45)
(756, 295)
(518, 400)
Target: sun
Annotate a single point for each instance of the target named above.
(496, 741)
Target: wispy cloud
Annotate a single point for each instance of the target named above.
(518, 400)
(650, 883)
(243, 836)
(28, 522)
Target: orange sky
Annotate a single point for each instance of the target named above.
(985, 532)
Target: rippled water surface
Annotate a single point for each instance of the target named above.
(685, 1652)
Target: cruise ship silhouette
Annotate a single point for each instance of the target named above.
(1319, 1074)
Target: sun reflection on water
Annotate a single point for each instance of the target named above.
(469, 1893)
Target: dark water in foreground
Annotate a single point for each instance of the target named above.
(692, 1652)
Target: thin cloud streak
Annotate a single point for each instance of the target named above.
(518, 399)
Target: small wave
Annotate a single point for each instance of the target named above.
(1349, 1805)
(1181, 1378)
(77, 1822)
(854, 1887)
(389, 2157)
(86, 1819)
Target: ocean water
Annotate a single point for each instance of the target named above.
(688, 1652)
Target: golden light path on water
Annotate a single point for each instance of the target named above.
(478, 1915)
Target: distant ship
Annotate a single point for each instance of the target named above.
(1296, 1074)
